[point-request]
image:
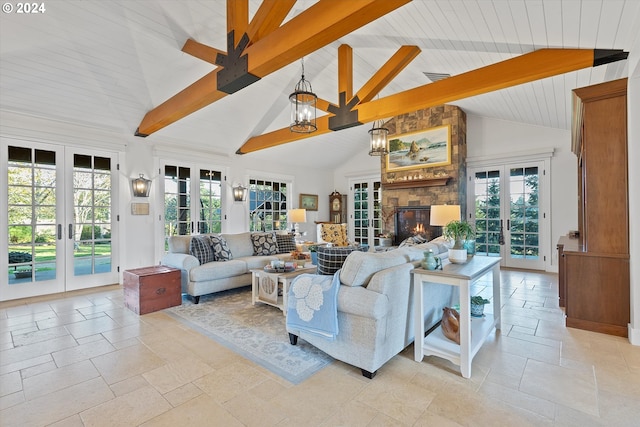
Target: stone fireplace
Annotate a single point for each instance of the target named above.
(413, 191)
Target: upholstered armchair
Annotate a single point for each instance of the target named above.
(333, 233)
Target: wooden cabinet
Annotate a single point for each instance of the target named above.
(594, 271)
(150, 289)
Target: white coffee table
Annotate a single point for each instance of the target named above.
(463, 276)
(272, 288)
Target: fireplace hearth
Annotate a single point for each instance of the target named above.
(414, 221)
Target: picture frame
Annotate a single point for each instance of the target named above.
(309, 202)
(421, 149)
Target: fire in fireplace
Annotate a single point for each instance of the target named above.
(414, 221)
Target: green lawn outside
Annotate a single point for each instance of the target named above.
(48, 253)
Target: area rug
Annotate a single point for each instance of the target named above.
(257, 332)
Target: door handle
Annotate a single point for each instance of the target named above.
(70, 231)
(59, 231)
(508, 225)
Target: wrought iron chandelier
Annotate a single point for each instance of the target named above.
(303, 107)
(378, 137)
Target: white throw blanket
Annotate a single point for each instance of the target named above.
(313, 304)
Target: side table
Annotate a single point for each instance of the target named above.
(463, 276)
(266, 287)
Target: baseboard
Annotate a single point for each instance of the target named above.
(634, 335)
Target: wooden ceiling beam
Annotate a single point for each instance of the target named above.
(201, 51)
(345, 70)
(388, 72)
(237, 18)
(268, 18)
(525, 68)
(314, 28)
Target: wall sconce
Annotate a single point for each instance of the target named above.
(240, 193)
(141, 186)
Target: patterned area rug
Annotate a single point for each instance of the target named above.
(256, 332)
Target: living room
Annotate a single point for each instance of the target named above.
(124, 89)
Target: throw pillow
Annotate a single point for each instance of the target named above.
(264, 244)
(220, 248)
(286, 243)
(200, 247)
(331, 259)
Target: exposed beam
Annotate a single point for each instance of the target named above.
(345, 70)
(201, 51)
(321, 24)
(314, 28)
(388, 72)
(268, 18)
(237, 18)
(525, 68)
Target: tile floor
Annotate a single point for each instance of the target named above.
(84, 360)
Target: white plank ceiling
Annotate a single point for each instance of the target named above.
(104, 64)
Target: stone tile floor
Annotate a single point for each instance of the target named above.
(82, 359)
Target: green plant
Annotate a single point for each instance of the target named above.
(459, 231)
(478, 300)
(313, 248)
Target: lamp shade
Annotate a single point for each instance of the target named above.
(298, 215)
(141, 186)
(442, 215)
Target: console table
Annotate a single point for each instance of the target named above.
(473, 332)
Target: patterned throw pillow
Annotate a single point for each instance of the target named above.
(200, 247)
(335, 233)
(286, 243)
(220, 248)
(264, 244)
(331, 259)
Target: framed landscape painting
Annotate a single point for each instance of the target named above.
(422, 149)
(309, 202)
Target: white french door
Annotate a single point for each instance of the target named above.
(58, 218)
(365, 219)
(506, 206)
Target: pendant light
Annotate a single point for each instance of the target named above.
(378, 137)
(303, 107)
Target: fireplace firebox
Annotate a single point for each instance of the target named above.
(414, 220)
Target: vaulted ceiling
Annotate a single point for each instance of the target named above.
(105, 64)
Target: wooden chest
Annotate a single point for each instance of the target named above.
(150, 289)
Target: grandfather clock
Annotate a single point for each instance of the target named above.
(337, 207)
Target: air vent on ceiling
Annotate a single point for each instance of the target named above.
(434, 77)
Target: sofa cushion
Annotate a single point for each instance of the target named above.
(239, 244)
(286, 243)
(331, 259)
(264, 244)
(218, 270)
(359, 267)
(221, 249)
(200, 248)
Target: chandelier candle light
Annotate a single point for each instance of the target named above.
(303, 107)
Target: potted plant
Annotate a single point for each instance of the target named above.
(459, 232)
(477, 306)
(386, 238)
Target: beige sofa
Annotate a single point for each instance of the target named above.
(375, 307)
(216, 276)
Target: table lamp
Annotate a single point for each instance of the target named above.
(297, 216)
(442, 215)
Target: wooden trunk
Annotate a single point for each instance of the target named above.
(150, 289)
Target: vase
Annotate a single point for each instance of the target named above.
(477, 310)
(458, 256)
(470, 246)
(314, 258)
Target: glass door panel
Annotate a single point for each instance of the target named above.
(90, 231)
(33, 254)
(210, 215)
(524, 213)
(487, 212)
(366, 219)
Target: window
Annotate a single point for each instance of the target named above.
(268, 205)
